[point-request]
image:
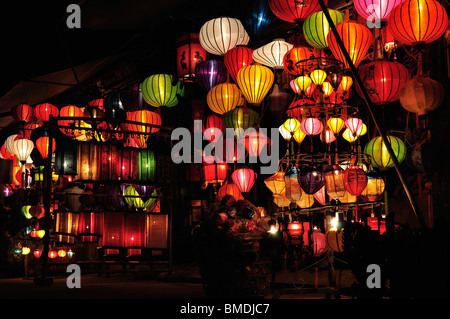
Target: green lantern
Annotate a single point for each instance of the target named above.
(146, 165)
(379, 154)
(240, 119)
(158, 90)
(38, 173)
(316, 27)
(129, 192)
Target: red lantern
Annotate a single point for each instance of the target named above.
(299, 107)
(5, 154)
(145, 117)
(28, 129)
(418, 21)
(299, 60)
(37, 253)
(44, 110)
(237, 58)
(70, 111)
(189, 54)
(254, 142)
(113, 232)
(213, 172)
(295, 230)
(294, 10)
(383, 80)
(230, 152)
(355, 180)
(42, 144)
(319, 242)
(213, 127)
(229, 189)
(52, 254)
(134, 232)
(23, 112)
(244, 178)
(357, 39)
(311, 126)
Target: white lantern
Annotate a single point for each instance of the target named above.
(9, 142)
(272, 53)
(22, 148)
(219, 35)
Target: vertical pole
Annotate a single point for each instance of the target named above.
(369, 109)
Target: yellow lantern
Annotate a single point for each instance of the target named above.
(327, 89)
(284, 133)
(335, 124)
(281, 200)
(255, 82)
(303, 82)
(346, 83)
(318, 76)
(224, 97)
(299, 136)
(25, 250)
(293, 190)
(61, 253)
(276, 183)
(291, 125)
(306, 201)
(362, 130)
(348, 136)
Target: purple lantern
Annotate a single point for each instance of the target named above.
(210, 73)
(311, 179)
(144, 190)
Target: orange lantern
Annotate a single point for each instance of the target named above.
(229, 189)
(297, 60)
(70, 111)
(23, 112)
(224, 97)
(42, 144)
(44, 110)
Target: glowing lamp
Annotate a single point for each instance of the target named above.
(335, 181)
(297, 60)
(306, 201)
(293, 190)
(213, 127)
(213, 172)
(349, 136)
(378, 152)
(318, 242)
(321, 196)
(311, 179)
(375, 186)
(335, 124)
(272, 53)
(40, 233)
(134, 232)
(146, 164)
(255, 82)
(240, 119)
(276, 183)
(291, 125)
(70, 111)
(355, 180)
(244, 178)
(353, 124)
(44, 110)
(328, 136)
(189, 54)
(318, 76)
(316, 27)
(52, 254)
(254, 142)
(295, 230)
(22, 148)
(62, 253)
(151, 118)
(90, 226)
(294, 11)
(237, 58)
(299, 136)
(303, 82)
(285, 133)
(219, 35)
(159, 90)
(311, 126)
(23, 112)
(224, 97)
(25, 250)
(229, 189)
(37, 253)
(346, 83)
(42, 144)
(210, 73)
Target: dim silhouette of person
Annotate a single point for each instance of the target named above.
(183, 58)
(198, 58)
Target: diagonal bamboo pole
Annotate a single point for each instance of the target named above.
(369, 109)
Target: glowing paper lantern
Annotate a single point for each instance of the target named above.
(219, 35)
(213, 127)
(328, 136)
(255, 82)
(299, 136)
(316, 27)
(353, 124)
(145, 117)
(37, 253)
(244, 178)
(229, 189)
(22, 148)
(159, 90)
(299, 60)
(224, 97)
(146, 162)
(346, 83)
(383, 80)
(70, 111)
(210, 73)
(349, 136)
(254, 142)
(293, 190)
(374, 11)
(44, 110)
(189, 54)
(357, 39)
(303, 82)
(355, 180)
(306, 201)
(213, 172)
(335, 124)
(380, 157)
(241, 119)
(42, 145)
(418, 21)
(276, 183)
(237, 58)
(311, 179)
(23, 112)
(318, 76)
(272, 53)
(291, 125)
(321, 196)
(375, 186)
(335, 181)
(294, 10)
(311, 126)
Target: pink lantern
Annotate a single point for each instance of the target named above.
(321, 195)
(353, 124)
(319, 242)
(328, 136)
(311, 126)
(244, 178)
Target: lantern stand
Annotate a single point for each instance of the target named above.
(369, 108)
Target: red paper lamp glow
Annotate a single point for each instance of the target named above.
(355, 180)
(145, 117)
(42, 145)
(44, 110)
(294, 10)
(311, 126)
(213, 172)
(213, 127)
(244, 178)
(189, 54)
(418, 21)
(237, 58)
(37, 253)
(353, 124)
(23, 112)
(254, 142)
(229, 189)
(297, 60)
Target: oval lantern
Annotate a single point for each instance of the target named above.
(145, 117)
(219, 35)
(418, 22)
(334, 181)
(272, 54)
(355, 180)
(229, 189)
(70, 111)
(159, 90)
(303, 82)
(237, 58)
(375, 186)
(383, 80)
(357, 39)
(44, 110)
(375, 10)
(299, 59)
(23, 112)
(293, 190)
(244, 178)
(316, 27)
(240, 119)
(42, 144)
(294, 11)
(311, 179)
(22, 148)
(213, 127)
(380, 157)
(210, 73)
(299, 136)
(311, 126)
(224, 97)
(255, 82)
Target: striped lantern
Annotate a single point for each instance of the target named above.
(355, 180)
(22, 148)
(380, 157)
(311, 126)
(316, 27)
(219, 35)
(334, 181)
(244, 178)
(70, 111)
(159, 90)
(44, 110)
(255, 82)
(23, 112)
(240, 119)
(276, 183)
(272, 54)
(224, 97)
(146, 165)
(213, 127)
(42, 144)
(236, 58)
(210, 73)
(293, 10)
(295, 61)
(229, 189)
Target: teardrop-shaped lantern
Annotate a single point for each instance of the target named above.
(210, 73)
(272, 53)
(237, 58)
(311, 179)
(318, 76)
(42, 145)
(349, 136)
(418, 21)
(22, 148)
(159, 90)
(244, 178)
(254, 142)
(255, 82)
(357, 39)
(346, 83)
(306, 201)
(353, 124)
(44, 110)
(355, 180)
(379, 154)
(294, 10)
(316, 27)
(328, 136)
(291, 125)
(224, 97)
(23, 112)
(240, 119)
(219, 35)
(299, 136)
(303, 82)
(321, 196)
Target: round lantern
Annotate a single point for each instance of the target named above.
(219, 35)
(375, 186)
(159, 90)
(293, 190)
(298, 60)
(42, 144)
(318, 76)
(213, 127)
(244, 178)
(311, 179)
(383, 80)
(334, 181)
(44, 110)
(70, 111)
(254, 142)
(237, 58)
(316, 27)
(357, 39)
(353, 124)
(52, 254)
(224, 97)
(421, 95)
(145, 117)
(22, 148)
(240, 119)
(335, 124)
(346, 83)
(210, 73)
(380, 157)
(272, 53)
(375, 10)
(37, 253)
(255, 82)
(291, 125)
(355, 180)
(229, 189)
(23, 112)
(311, 126)
(212, 171)
(418, 21)
(303, 82)
(294, 10)
(276, 183)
